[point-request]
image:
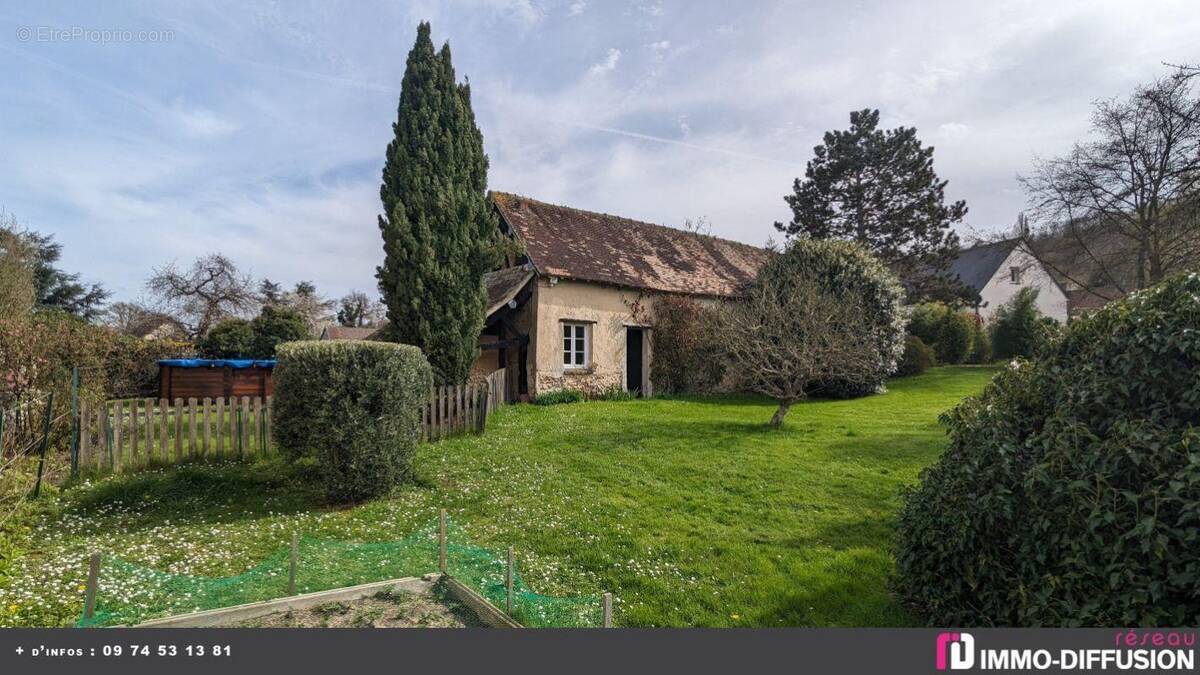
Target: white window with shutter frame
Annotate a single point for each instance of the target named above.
(576, 345)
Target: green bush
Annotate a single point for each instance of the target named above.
(688, 357)
(981, 342)
(943, 328)
(1068, 493)
(559, 396)
(855, 275)
(617, 394)
(131, 364)
(272, 327)
(354, 406)
(229, 339)
(1019, 329)
(918, 357)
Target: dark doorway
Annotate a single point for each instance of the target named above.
(633, 360)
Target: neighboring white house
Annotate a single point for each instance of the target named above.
(999, 270)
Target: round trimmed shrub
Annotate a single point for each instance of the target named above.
(1068, 493)
(943, 328)
(353, 406)
(918, 357)
(849, 270)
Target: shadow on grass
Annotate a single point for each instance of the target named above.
(204, 492)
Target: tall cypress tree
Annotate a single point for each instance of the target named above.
(439, 233)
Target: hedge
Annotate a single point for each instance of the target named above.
(353, 406)
(1068, 493)
(918, 357)
(945, 329)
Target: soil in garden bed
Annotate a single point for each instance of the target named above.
(388, 609)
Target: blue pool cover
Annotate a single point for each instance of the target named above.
(236, 364)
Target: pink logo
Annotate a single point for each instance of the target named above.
(955, 651)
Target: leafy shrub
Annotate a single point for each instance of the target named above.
(981, 342)
(859, 278)
(229, 339)
(274, 326)
(617, 394)
(943, 328)
(559, 396)
(688, 356)
(1068, 492)
(1019, 329)
(131, 364)
(918, 357)
(354, 406)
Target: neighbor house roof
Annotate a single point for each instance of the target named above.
(349, 332)
(502, 286)
(576, 244)
(1084, 300)
(977, 265)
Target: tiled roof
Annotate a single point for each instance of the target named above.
(976, 266)
(1084, 300)
(588, 246)
(503, 285)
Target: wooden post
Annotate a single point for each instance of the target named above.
(164, 410)
(135, 431)
(178, 429)
(85, 438)
(442, 542)
(295, 560)
(245, 448)
(221, 428)
(76, 422)
(270, 401)
(149, 405)
(93, 581)
(101, 434)
(608, 610)
(258, 426)
(118, 422)
(192, 427)
(207, 426)
(508, 582)
(37, 488)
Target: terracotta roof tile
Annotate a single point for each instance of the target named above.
(588, 246)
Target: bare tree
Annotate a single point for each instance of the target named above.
(357, 309)
(210, 290)
(785, 338)
(1120, 209)
(314, 308)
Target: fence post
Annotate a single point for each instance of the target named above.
(93, 581)
(608, 610)
(508, 582)
(37, 488)
(295, 559)
(75, 422)
(442, 542)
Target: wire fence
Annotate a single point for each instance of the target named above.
(25, 432)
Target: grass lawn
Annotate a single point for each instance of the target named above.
(691, 511)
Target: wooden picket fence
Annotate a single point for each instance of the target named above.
(131, 433)
(454, 410)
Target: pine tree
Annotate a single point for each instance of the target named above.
(878, 188)
(439, 232)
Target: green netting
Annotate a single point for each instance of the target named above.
(130, 594)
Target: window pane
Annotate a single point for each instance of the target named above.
(567, 344)
(566, 330)
(566, 358)
(579, 358)
(579, 345)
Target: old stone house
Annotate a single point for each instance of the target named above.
(576, 309)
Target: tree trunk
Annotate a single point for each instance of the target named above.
(777, 418)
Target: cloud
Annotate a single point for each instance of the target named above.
(577, 8)
(608, 64)
(202, 123)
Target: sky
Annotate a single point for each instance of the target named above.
(145, 133)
